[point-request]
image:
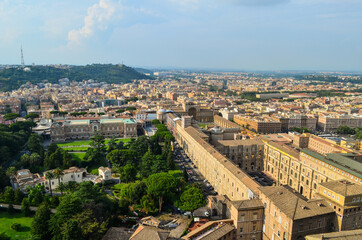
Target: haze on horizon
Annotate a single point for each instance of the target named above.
(198, 34)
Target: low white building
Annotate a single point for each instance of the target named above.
(73, 174)
(105, 173)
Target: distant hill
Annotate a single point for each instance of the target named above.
(144, 71)
(13, 78)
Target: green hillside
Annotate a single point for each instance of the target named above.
(13, 78)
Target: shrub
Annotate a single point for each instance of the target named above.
(16, 226)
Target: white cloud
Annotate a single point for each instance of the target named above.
(98, 17)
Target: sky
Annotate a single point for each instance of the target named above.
(250, 35)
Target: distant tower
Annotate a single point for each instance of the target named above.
(22, 57)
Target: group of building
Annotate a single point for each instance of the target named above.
(316, 184)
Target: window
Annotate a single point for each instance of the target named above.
(255, 216)
(241, 230)
(254, 228)
(242, 217)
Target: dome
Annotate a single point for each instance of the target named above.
(161, 111)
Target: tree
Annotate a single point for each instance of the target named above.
(67, 159)
(161, 185)
(25, 207)
(344, 129)
(11, 116)
(191, 199)
(55, 160)
(155, 122)
(128, 173)
(170, 161)
(40, 225)
(98, 143)
(4, 180)
(31, 116)
(138, 192)
(131, 109)
(34, 144)
(185, 175)
(9, 195)
(159, 164)
(112, 144)
(122, 157)
(147, 203)
(3, 236)
(11, 171)
(120, 111)
(146, 164)
(18, 196)
(58, 173)
(90, 227)
(72, 230)
(50, 175)
(68, 207)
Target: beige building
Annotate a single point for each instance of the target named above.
(330, 123)
(225, 176)
(68, 130)
(259, 124)
(289, 216)
(346, 200)
(248, 154)
(344, 235)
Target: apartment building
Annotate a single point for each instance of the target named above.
(289, 216)
(324, 146)
(259, 124)
(345, 198)
(62, 131)
(330, 123)
(248, 154)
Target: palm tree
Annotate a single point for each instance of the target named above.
(58, 174)
(50, 175)
(62, 187)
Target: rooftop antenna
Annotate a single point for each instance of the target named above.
(22, 56)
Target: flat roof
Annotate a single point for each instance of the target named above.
(77, 122)
(117, 120)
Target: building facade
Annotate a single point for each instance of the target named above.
(68, 130)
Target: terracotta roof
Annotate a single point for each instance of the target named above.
(115, 233)
(149, 233)
(247, 204)
(241, 142)
(343, 235)
(219, 232)
(294, 205)
(199, 231)
(343, 187)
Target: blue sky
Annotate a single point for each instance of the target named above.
(206, 34)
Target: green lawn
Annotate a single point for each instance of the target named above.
(74, 143)
(80, 149)
(87, 142)
(6, 220)
(77, 156)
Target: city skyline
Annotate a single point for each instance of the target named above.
(191, 34)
